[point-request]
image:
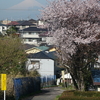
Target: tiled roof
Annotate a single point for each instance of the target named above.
(51, 54)
(42, 55)
(39, 55)
(34, 29)
(28, 46)
(25, 23)
(32, 20)
(13, 23)
(2, 24)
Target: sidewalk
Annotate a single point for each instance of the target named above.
(46, 94)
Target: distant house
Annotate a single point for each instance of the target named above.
(26, 24)
(3, 29)
(6, 22)
(67, 77)
(95, 73)
(30, 35)
(33, 21)
(13, 23)
(43, 62)
(96, 79)
(35, 49)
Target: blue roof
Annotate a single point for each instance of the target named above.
(2, 24)
(26, 23)
(42, 55)
(96, 75)
(34, 29)
(39, 55)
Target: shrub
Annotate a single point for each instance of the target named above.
(10, 88)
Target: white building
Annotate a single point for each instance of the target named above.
(33, 35)
(3, 29)
(43, 63)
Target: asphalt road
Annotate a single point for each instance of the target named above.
(46, 94)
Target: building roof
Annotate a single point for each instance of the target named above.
(2, 24)
(32, 20)
(20, 21)
(28, 46)
(39, 55)
(13, 23)
(42, 48)
(51, 54)
(25, 23)
(42, 55)
(34, 29)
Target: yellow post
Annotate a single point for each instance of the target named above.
(3, 84)
(3, 81)
(63, 73)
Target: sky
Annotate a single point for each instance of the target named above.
(21, 9)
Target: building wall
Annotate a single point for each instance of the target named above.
(30, 35)
(6, 21)
(97, 64)
(3, 29)
(46, 67)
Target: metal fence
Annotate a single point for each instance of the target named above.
(47, 81)
(25, 86)
(28, 85)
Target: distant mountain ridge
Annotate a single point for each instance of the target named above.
(27, 4)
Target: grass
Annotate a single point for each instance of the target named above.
(57, 97)
(79, 95)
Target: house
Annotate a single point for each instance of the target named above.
(35, 49)
(26, 24)
(44, 63)
(3, 29)
(13, 23)
(6, 22)
(67, 77)
(33, 21)
(96, 79)
(96, 74)
(30, 35)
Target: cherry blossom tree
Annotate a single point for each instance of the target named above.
(75, 27)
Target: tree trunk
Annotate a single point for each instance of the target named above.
(74, 82)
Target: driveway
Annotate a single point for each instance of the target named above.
(46, 94)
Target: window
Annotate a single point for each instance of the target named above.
(30, 33)
(44, 39)
(30, 40)
(3, 28)
(36, 64)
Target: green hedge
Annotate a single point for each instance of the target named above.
(78, 95)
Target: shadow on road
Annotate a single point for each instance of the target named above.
(46, 94)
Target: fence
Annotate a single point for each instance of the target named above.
(47, 81)
(28, 85)
(24, 86)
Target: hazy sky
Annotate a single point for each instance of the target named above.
(21, 9)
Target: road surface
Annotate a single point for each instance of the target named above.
(46, 94)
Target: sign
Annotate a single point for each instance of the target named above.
(3, 81)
